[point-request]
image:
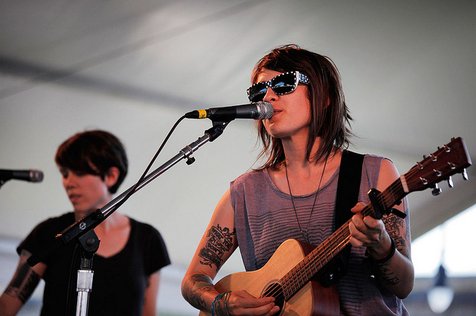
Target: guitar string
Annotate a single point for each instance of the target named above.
(338, 244)
(335, 243)
(341, 239)
(343, 236)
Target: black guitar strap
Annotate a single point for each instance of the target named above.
(348, 187)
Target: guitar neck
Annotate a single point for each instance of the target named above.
(297, 277)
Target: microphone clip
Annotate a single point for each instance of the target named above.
(217, 128)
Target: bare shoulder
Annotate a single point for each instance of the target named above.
(387, 174)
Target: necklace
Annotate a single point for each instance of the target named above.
(304, 233)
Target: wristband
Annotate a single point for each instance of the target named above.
(390, 254)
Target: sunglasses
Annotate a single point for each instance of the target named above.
(284, 83)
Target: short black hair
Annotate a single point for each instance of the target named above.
(93, 152)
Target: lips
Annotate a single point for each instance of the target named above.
(74, 198)
(276, 112)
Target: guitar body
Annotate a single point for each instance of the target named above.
(311, 299)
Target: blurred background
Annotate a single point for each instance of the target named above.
(135, 67)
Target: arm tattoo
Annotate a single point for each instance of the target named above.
(23, 283)
(220, 240)
(193, 294)
(386, 275)
(394, 226)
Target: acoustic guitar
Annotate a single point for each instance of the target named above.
(288, 275)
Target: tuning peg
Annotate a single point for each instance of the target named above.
(465, 174)
(436, 190)
(450, 182)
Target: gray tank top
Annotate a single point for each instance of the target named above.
(264, 218)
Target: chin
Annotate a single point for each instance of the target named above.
(82, 212)
(274, 130)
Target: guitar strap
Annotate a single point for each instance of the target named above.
(348, 187)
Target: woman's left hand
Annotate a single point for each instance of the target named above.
(366, 231)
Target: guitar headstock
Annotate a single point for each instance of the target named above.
(448, 160)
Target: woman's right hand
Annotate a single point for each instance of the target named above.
(243, 303)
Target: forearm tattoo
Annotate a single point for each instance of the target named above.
(220, 241)
(387, 276)
(23, 283)
(199, 284)
(394, 226)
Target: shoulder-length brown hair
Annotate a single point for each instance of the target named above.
(330, 117)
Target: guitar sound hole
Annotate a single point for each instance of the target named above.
(276, 290)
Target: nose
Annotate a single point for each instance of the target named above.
(270, 95)
(68, 179)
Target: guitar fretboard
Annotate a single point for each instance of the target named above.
(304, 271)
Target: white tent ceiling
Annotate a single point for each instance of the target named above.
(134, 67)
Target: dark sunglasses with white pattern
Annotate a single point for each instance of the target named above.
(284, 83)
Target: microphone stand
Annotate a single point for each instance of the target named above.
(82, 230)
(89, 243)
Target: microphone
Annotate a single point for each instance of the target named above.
(25, 175)
(258, 111)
